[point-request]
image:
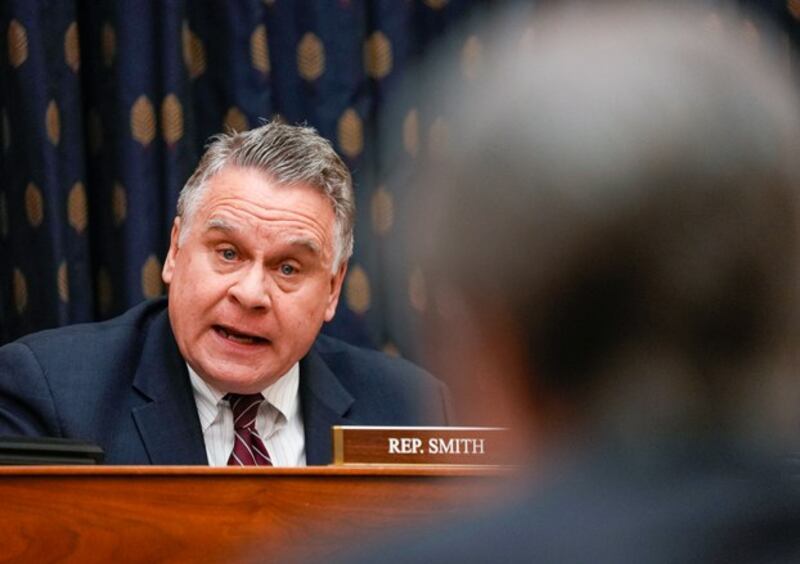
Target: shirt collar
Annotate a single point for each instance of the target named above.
(281, 394)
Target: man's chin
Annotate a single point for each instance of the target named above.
(242, 384)
(237, 377)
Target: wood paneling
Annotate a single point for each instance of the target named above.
(220, 514)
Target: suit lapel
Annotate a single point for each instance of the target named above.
(168, 424)
(325, 403)
(170, 428)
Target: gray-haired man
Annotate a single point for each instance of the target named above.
(230, 369)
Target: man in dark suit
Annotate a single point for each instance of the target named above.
(230, 368)
(616, 234)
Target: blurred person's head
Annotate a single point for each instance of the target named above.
(258, 253)
(615, 228)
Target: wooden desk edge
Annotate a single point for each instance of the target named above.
(325, 471)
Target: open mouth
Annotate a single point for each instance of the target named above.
(236, 337)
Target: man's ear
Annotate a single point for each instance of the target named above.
(336, 289)
(169, 262)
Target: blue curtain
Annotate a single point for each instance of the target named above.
(105, 108)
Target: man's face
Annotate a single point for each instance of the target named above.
(250, 281)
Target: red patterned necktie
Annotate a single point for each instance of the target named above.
(248, 448)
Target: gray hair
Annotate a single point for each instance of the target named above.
(289, 155)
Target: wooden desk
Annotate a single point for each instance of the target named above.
(199, 514)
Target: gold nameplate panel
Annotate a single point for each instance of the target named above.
(472, 446)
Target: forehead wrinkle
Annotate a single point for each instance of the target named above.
(267, 215)
(223, 224)
(276, 225)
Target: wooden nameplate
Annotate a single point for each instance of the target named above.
(462, 446)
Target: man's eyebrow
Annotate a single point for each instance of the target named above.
(221, 224)
(310, 244)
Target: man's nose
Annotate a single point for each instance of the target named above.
(251, 288)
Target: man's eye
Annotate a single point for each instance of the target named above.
(288, 269)
(228, 254)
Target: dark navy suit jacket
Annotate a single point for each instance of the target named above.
(123, 384)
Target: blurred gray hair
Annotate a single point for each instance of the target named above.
(288, 155)
(624, 184)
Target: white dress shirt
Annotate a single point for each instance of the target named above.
(279, 421)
